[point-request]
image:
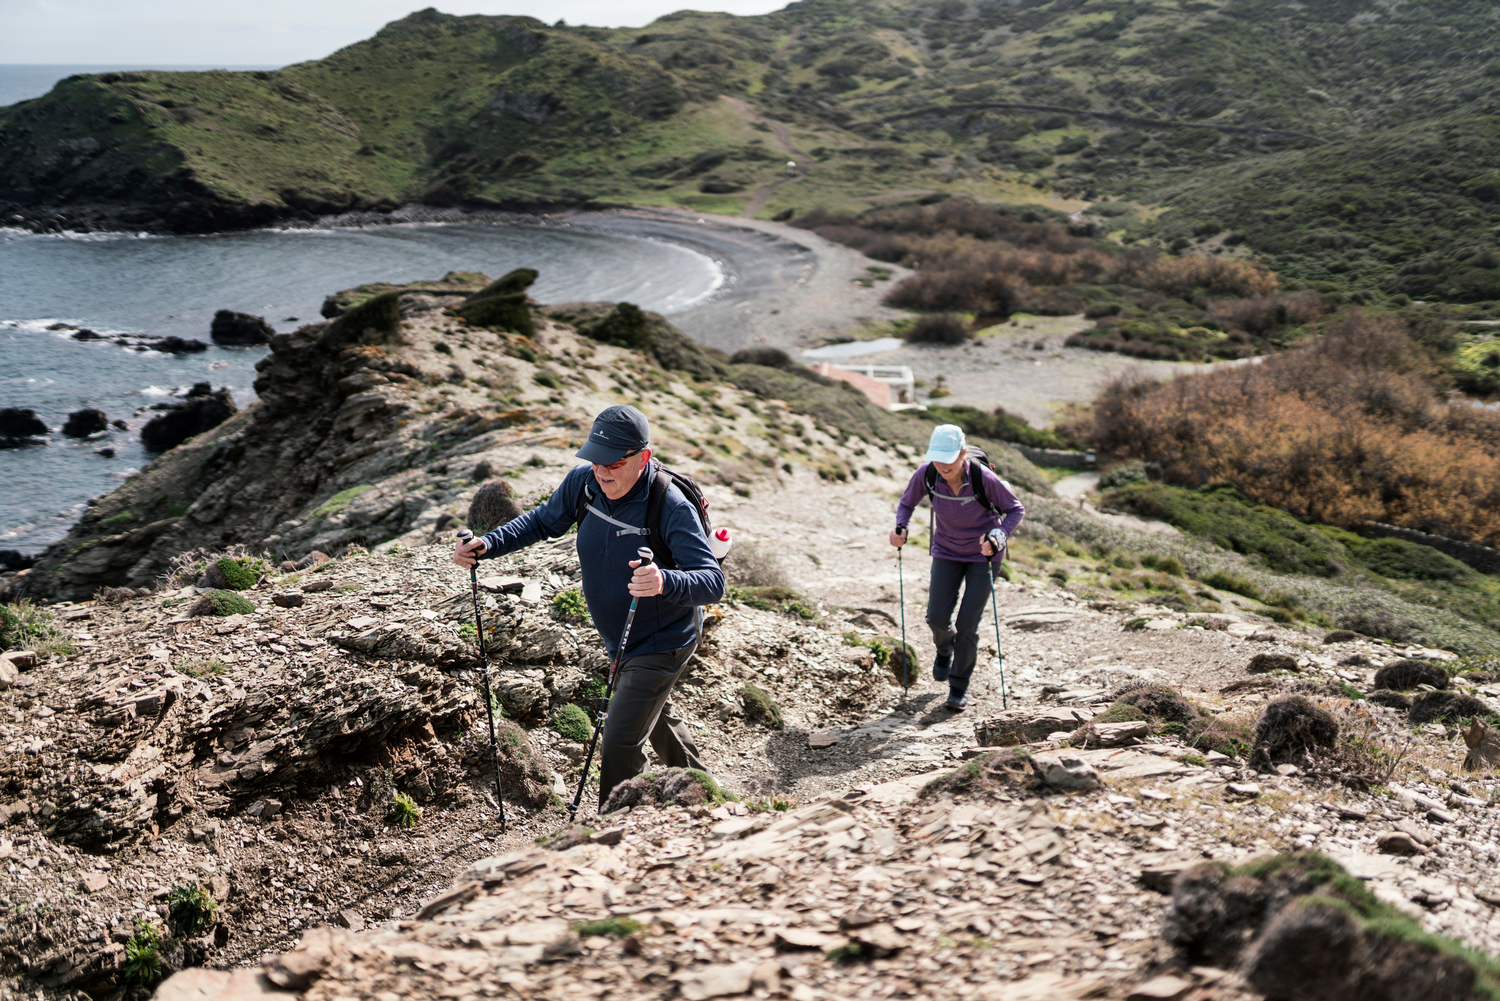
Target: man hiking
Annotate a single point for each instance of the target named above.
(612, 494)
(974, 512)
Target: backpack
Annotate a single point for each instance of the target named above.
(651, 534)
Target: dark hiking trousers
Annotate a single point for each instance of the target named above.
(641, 709)
(960, 638)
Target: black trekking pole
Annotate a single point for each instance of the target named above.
(995, 608)
(489, 699)
(601, 706)
(901, 586)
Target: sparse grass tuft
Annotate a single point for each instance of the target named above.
(192, 908)
(404, 811)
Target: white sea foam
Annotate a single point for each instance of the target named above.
(158, 391)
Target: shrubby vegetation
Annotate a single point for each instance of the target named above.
(1345, 430)
(994, 260)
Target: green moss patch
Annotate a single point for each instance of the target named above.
(572, 723)
(220, 602)
(759, 706)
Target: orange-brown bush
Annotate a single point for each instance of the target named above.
(1347, 430)
(1261, 314)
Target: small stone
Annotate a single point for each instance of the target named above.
(1249, 790)
(1398, 843)
(24, 660)
(1155, 794)
(313, 587)
(1065, 771)
(351, 920)
(288, 600)
(1031, 879)
(609, 836)
(1440, 816)
(822, 739)
(1350, 813)
(807, 938)
(881, 937)
(714, 981)
(1288, 770)
(9, 675)
(95, 881)
(1163, 988)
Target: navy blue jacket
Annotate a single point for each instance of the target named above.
(662, 622)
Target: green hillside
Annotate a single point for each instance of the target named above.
(1348, 141)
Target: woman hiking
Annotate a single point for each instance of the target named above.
(974, 513)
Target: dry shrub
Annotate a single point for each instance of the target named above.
(1293, 728)
(1447, 707)
(972, 257)
(1181, 276)
(1405, 675)
(941, 328)
(1346, 430)
(1261, 314)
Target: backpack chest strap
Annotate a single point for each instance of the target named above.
(624, 528)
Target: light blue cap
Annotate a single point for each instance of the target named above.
(946, 443)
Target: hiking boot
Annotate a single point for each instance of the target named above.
(957, 703)
(940, 666)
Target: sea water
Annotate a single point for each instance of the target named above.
(160, 285)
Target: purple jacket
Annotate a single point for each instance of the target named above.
(961, 519)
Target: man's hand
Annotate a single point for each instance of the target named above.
(466, 554)
(647, 580)
(898, 537)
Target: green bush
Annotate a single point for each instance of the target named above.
(220, 602)
(22, 624)
(143, 954)
(613, 927)
(760, 706)
(240, 574)
(1222, 514)
(572, 723)
(570, 605)
(938, 328)
(1123, 474)
(505, 312)
(374, 321)
(404, 811)
(1234, 583)
(510, 283)
(192, 908)
(1403, 560)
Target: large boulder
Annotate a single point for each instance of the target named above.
(20, 427)
(240, 329)
(201, 411)
(82, 423)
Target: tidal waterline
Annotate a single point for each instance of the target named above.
(162, 285)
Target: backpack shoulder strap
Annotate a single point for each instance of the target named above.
(585, 501)
(656, 500)
(929, 478)
(976, 480)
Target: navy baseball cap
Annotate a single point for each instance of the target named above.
(617, 432)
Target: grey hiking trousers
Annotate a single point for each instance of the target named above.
(960, 638)
(641, 709)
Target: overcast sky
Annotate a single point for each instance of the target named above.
(266, 32)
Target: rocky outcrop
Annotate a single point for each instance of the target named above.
(240, 329)
(203, 410)
(82, 423)
(175, 345)
(20, 427)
